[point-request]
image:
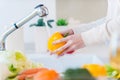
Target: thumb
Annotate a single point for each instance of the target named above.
(61, 40)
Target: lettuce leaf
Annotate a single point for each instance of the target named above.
(111, 72)
(16, 62)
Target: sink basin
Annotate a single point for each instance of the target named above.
(62, 63)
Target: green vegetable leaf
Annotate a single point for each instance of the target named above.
(12, 68)
(16, 62)
(12, 77)
(20, 56)
(77, 74)
(111, 72)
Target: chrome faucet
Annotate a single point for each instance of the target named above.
(40, 10)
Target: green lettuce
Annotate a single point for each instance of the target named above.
(111, 72)
(16, 62)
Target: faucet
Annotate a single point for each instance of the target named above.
(39, 10)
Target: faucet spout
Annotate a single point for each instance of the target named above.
(40, 10)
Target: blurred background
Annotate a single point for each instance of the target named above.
(80, 11)
(83, 10)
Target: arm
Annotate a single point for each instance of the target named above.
(74, 40)
(101, 33)
(85, 27)
(95, 35)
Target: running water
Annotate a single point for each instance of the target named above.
(47, 27)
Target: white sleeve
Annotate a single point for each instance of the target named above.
(101, 33)
(85, 27)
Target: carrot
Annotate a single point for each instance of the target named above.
(32, 71)
(21, 77)
(31, 75)
(47, 75)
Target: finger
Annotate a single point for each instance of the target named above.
(61, 40)
(60, 55)
(69, 31)
(50, 52)
(63, 47)
(70, 50)
(64, 32)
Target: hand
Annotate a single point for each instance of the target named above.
(68, 31)
(73, 42)
(64, 33)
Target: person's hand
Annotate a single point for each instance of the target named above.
(73, 42)
(64, 33)
(68, 31)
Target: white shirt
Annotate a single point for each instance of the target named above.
(102, 33)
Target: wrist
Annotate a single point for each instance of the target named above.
(82, 41)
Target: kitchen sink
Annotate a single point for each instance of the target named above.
(62, 63)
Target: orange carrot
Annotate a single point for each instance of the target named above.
(47, 75)
(31, 75)
(21, 77)
(32, 71)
